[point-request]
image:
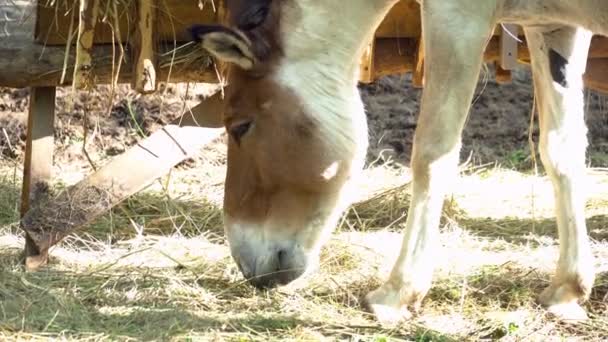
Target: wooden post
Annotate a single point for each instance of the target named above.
(508, 53)
(38, 162)
(83, 69)
(418, 76)
(596, 76)
(143, 46)
(366, 66)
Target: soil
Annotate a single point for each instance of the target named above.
(497, 127)
(115, 119)
(496, 131)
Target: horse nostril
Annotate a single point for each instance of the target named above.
(280, 268)
(281, 259)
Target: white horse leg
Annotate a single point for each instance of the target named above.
(455, 36)
(559, 58)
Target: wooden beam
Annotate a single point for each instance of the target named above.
(508, 46)
(508, 52)
(83, 66)
(394, 56)
(208, 113)
(418, 72)
(143, 46)
(38, 163)
(366, 67)
(596, 76)
(599, 47)
(52, 219)
(501, 75)
(397, 56)
(24, 63)
(174, 17)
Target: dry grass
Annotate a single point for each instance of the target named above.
(158, 268)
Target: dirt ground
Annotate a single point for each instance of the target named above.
(497, 127)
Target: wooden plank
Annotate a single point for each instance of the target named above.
(83, 68)
(366, 67)
(38, 163)
(394, 56)
(599, 47)
(52, 219)
(174, 19)
(502, 76)
(143, 47)
(418, 72)
(208, 113)
(403, 21)
(596, 76)
(508, 46)
(25, 63)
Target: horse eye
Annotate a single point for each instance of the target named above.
(253, 17)
(239, 130)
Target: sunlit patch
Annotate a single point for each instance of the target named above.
(331, 171)
(266, 105)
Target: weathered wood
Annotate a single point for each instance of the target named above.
(596, 76)
(83, 66)
(174, 19)
(403, 21)
(38, 165)
(366, 67)
(208, 113)
(55, 217)
(599, 47)
(508, 46)
(501, 75)
(24, 63)
(418, 72)
(397, 55)
(508, 52)
(143, 46)
(393, 56)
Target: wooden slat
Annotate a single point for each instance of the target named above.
(38, 163)
(508, 47)
(174, 19)
(83, 70)
(596, 77)
(501, 75)
(403, 21)
(366, 67)
(418, 72)
(394, 56)
(143, 46)
(25, 63)
(599, 47)
(53, 218)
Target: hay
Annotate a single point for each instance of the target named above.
(158, 268)
(116, 17)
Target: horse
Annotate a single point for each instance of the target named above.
(298, 131)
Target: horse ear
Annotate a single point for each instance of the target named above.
(225, 44)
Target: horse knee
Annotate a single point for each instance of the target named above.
(435, 162)
(563, 153)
